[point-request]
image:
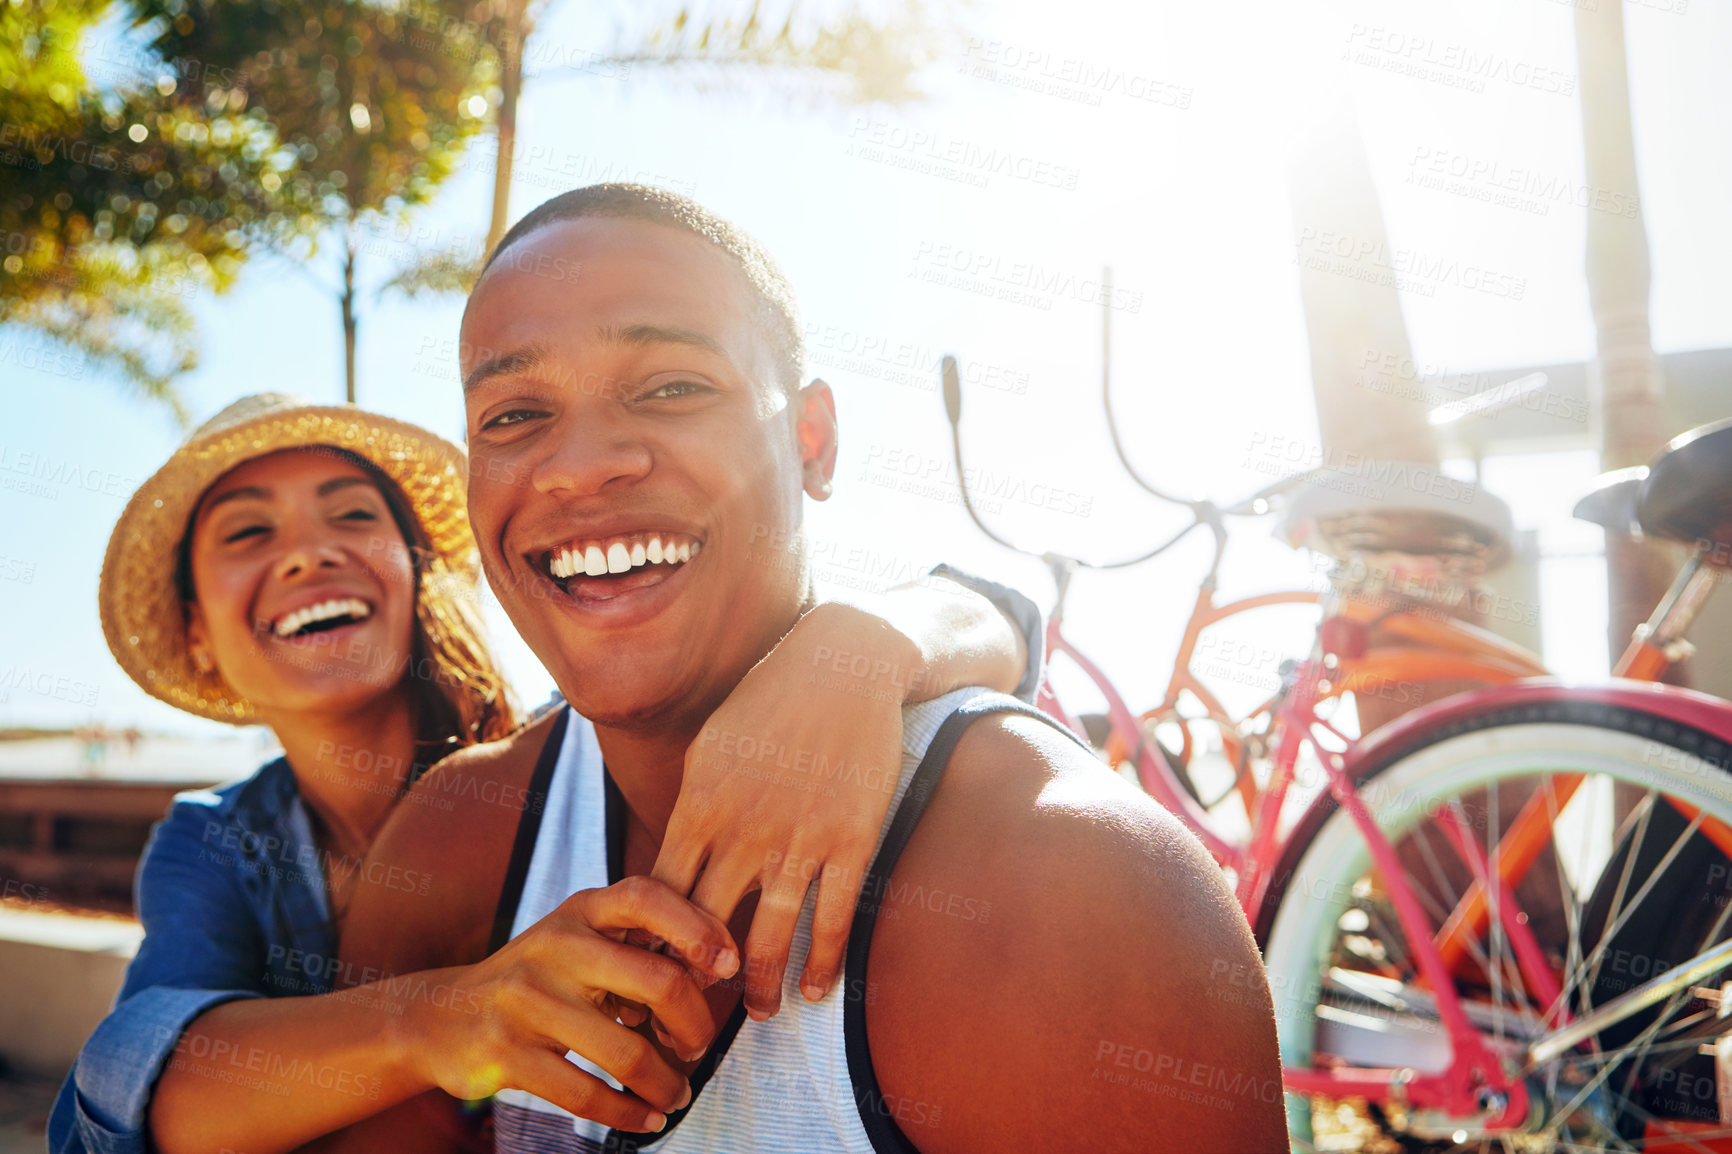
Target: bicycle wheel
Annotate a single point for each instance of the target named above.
(1632, 885)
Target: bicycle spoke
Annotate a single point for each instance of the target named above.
(1675, 1046)
(1498, 951)
(1618, 1139)
(1440, 914)
(1568, 897)
(1653, 1028)
(1536, 955)
(1605, 1072)
(1573, 1148)
(1495, 891)
(1709, 938)
(1664, 864)
(1640, 814)
(1611, 931)
(1391, 937)
(1437, 875)
(1684, 1024)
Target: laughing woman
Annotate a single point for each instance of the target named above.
(310, 568)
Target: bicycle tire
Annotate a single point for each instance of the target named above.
(1496, 754)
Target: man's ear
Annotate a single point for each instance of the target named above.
(818, 438)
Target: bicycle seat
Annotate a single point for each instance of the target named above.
(1688, 494)
(1611, 504)
(1397, 507)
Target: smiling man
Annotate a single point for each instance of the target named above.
(1031, 965)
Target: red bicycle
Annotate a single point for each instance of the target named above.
(1502, 919)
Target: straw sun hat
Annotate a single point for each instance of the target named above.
(142, 616)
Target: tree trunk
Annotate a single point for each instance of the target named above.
(1362, 368)
(350, 321)
(1359, 348)
(510, 87)
(1626, 374)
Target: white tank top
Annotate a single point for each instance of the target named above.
(800, 1083)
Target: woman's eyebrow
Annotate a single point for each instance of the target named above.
(337, 483)
(243, 492)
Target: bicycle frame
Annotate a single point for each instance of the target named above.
(1449, 649)
(1341, 661)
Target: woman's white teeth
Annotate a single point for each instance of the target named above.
(299, 619)
(621, 556)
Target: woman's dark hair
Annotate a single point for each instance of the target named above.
(458, 695)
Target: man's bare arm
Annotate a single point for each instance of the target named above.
(1058, 964)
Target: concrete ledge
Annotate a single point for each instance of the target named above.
(60, 973)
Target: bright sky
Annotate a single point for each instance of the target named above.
(1163, 153)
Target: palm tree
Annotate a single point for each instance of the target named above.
(866, 59)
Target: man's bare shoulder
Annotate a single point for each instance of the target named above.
(431, 884)
(1046, 969)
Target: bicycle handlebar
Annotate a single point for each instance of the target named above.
(1203, 512)
(1256, 505)
(1119, 451)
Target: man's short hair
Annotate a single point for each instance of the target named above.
(775, 296)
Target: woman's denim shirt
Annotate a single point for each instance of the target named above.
(233, 902)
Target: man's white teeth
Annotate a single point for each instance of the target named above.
(299, 619)
(620, 556)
